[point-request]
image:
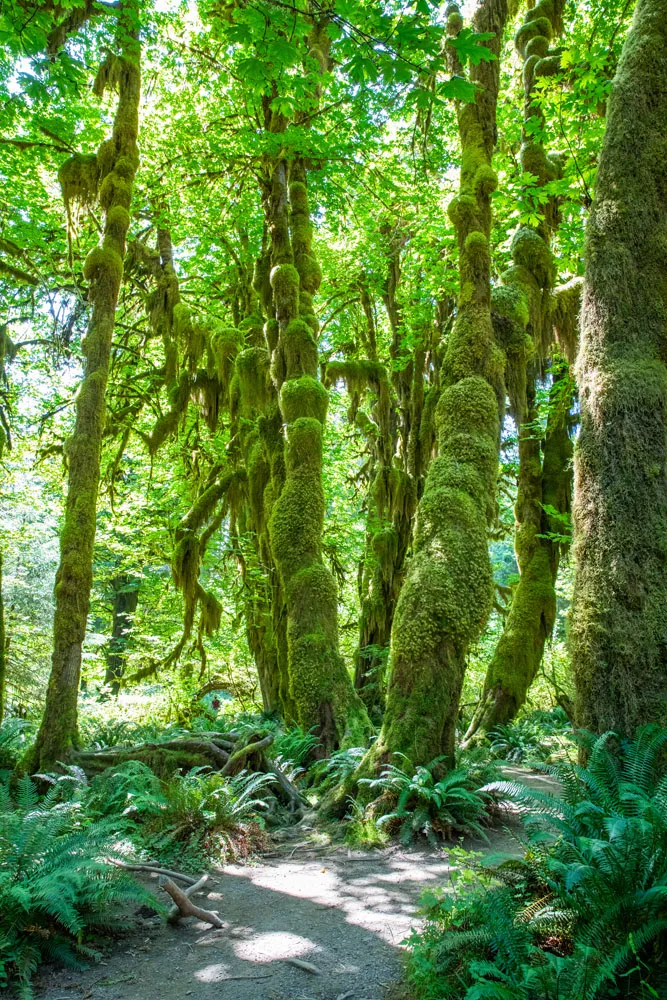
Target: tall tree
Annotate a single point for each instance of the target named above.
(447, 595)
(619, 622)
(109, 174)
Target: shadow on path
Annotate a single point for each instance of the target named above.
(347, 915)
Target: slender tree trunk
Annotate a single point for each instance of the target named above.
(320, 686)
(448, 591)
(117, 163)
(544, 485)
(125, 600)
(619, 620)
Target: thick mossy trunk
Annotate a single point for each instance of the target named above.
(3, 650)
(544, 484)
(448, 591)
(619, 620)
(115, 167)
(125, 600)
(320, 686)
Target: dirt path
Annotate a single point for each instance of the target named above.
(344, 912)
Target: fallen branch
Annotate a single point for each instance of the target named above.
(187, 908)
(154, 869)
(174, 913)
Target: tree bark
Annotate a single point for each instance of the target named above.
(544, 482)
(125, 600)
(448, 591)
(117, 163)
(320, 686)
(3, 650)
(619, 619)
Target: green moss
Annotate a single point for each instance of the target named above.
(303, 397)
(538, 46)
(225, 343)
(285, 287)
(530, 251)
(549, 66)
(115, 190)
(454, 23)
(511, 301)
(105, 265)
(539, 26)
(564, 306)
(79, 180)
(117, 223)
(528, 72)
(300, 349)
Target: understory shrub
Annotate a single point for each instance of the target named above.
(539, 736)
(209, 813)
(57, 893)
(430, 801)
(583, 915)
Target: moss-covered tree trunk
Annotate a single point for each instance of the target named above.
(320, 685)
(125, 601)
(114, 168)
(619, 620)
(448, 591)
(523, 320)
(3, 649)
(543, 487)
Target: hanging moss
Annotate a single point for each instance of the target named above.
(565, 305)
(79, 181)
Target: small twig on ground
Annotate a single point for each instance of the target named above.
(306, 966)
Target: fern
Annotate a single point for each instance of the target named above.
(55, 887)
(583, 916)
(429, 806)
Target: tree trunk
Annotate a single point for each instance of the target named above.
(448, 591)
(543, 483)
(320, 686)
(117, 162)
(619, 620)
(3, 650)
(125, 600)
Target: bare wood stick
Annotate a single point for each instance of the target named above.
(153, 868)
(188, 908)
(244, 752)
(174, 912)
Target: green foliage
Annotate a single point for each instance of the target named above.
(15, 737)
(583, 915)
(56, 890)
(428, 805)
(534, 737)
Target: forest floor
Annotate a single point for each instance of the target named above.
(343, 911)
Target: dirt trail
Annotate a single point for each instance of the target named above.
(344, 912)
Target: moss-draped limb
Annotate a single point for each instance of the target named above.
(104, 270)
(448, 590)
(619, 618)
